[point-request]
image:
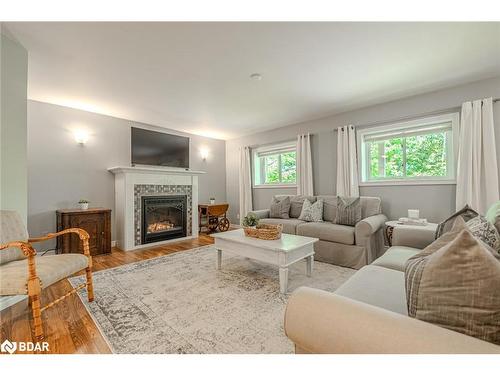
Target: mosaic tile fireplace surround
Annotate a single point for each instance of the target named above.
(141, 191)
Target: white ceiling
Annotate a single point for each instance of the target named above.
(195, 76)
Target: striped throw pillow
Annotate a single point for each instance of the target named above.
(348, 211)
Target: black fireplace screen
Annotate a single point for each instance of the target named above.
(163, 218)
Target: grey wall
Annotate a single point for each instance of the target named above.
(61, 171)
(13, 127)
(434, 201)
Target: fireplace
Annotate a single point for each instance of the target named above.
(163, 218)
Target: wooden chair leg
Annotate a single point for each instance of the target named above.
(34, 292)
(90, 285)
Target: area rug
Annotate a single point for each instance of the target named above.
(180, 303)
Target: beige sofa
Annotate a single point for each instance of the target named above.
(342, 245)
(368, 313)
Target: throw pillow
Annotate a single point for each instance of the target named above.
(296, 203)
(458, 225)
(482, 229)
(456, 287)
(466, 213)
(312, 211)
(280, 208)
(348, 211)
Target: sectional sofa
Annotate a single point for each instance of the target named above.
(343, 245)
(368, 313)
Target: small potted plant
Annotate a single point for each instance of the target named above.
(212, 200)
(250, 220)
(249, 223)
(84, 204)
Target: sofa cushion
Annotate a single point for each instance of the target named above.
(377, 286)
(329, 207)
(327, 231)
(456, 287)
(50, 269)
(289, 225)
(280, 208)
(396, 257)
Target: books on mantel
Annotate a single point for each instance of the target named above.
(408, 221)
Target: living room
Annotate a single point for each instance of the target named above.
(232, 191)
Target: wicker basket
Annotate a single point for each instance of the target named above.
(264, 231)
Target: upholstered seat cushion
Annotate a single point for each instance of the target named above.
(395, 258)
(289, 225)
(327, 231)
(50, 269)
(377, 286)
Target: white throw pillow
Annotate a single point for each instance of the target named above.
(312, 211)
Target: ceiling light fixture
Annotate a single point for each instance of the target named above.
(256, 76)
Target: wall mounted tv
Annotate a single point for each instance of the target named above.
(155, 148)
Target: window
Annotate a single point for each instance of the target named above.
(275, 165)
(419, 151)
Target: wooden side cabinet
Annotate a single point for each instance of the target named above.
(96, 221)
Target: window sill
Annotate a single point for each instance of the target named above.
(281, 186)
(407, 182)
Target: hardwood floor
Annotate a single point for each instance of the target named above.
(68, 327)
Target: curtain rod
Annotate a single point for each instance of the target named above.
(412, 117)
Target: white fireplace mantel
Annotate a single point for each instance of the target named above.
(125, 180)
(154, 170)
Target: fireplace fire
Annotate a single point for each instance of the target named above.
(163, 217)
(160, 226)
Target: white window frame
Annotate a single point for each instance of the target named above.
(278, 148)
(452, 151)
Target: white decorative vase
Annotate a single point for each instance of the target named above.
(83, 206)
(212, 201)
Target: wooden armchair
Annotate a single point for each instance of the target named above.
(17, 256)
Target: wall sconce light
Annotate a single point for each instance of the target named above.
(81, 137)
(204, 153)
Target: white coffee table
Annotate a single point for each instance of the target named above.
(282, 253)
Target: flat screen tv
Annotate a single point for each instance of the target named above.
(155, 148)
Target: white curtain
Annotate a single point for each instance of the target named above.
(245, 182)
(477, 170)
(304, 165)
(347, 162)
